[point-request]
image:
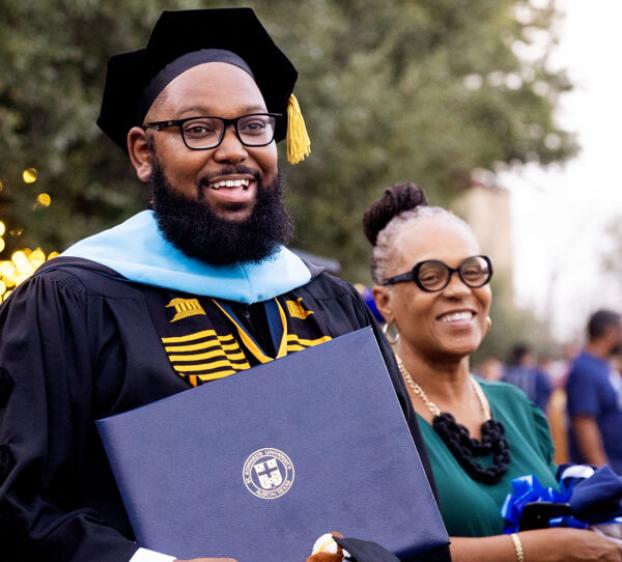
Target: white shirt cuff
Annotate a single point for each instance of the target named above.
(145, 555)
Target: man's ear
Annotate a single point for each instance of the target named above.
(140, 153)
(382, 296)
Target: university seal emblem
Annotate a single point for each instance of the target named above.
(268, 474)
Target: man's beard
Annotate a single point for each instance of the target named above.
(192, 227)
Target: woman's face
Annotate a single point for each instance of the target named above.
(448, 324)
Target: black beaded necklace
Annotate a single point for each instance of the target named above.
(458, 440)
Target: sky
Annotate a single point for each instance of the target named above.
(559, 214)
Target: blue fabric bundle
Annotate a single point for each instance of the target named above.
(585, 497)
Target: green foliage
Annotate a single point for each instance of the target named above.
(425, 90)
(52, 59)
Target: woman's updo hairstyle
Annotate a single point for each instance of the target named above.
(382, 220)
(396, 200)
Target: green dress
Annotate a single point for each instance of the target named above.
(471, 508)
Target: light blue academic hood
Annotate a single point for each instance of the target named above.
(138, 251)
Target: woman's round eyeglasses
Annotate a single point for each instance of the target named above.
(435, 275)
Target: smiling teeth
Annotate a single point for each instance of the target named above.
(230, 183)
(456, 316)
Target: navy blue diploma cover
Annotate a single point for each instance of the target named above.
(258, 465)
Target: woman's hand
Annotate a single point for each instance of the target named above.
(542, 545)
(569, 545)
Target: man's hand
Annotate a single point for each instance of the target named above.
(326, 549)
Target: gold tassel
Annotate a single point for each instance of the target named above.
(298, 143)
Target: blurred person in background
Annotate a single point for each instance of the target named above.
(556, 371)
(522, 371)
(594, 395)
(432, 288)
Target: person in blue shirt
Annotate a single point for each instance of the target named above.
(594, 391)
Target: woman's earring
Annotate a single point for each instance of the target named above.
(390, 332)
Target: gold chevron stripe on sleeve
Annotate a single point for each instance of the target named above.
(209, 355)
(194, 380)
(190, 337)
(216, 376)
(191, 347)
(293, 338)
(199, 346)
(199, 336)
(213, 365)
(227, 338)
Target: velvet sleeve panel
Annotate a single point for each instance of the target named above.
(46, 352)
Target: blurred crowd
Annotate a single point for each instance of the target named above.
(579, 389)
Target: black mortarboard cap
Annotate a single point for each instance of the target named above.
(180, 32)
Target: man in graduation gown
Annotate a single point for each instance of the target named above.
(197, 288)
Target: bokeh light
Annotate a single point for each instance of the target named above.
(23, 264)
(44, 199)
(20, 260)
(29, 175)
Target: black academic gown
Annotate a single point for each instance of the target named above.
(78, 343)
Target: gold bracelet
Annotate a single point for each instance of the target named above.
(518, 547)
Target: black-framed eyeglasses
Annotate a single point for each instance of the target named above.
(205, 132)
(435, 275)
